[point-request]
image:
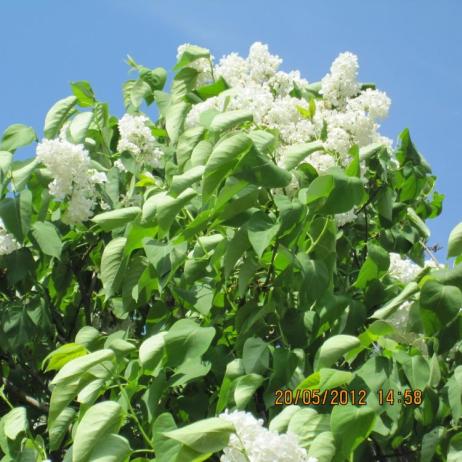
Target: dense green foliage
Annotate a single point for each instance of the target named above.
(211, 286)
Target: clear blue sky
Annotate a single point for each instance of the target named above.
(412, 49)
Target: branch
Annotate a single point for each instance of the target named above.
(24, 397)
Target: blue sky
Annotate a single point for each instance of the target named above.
(412, 49)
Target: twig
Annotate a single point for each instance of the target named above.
(24, 397)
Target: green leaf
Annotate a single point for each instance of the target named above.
(5, 164)
(449, 276)
(187, 340)
(166, 448)
(116, 218)
(183, 84)
(187, 142)
(255, 356)
(84, 93)
(322, 447)
(22, 173)
(79, 126)
(256, 168)
(319, 189)
(25, 210)
(16, 136)
(455, 448)
(62, 394)
(165, 208)
(444, 301)
(366, 152)
(174, 119)
(417, 371)
(245, 389)
(307, 424)
(185, 180)
(333, 349)
(223, 159)
(113, 448)
(376, 263)
(455, 242)
(391, 306)
(261, 231)
(385, 199)
(213, 89)
(15, 422)
(430, 442)
(78, 366)
(139, 92)
(296, 153)
(9, 214)
(407, 152)
(88, 337)
(16, 214)
(236, 247)
(351, 426)
(156, 78)
(280, 422)
(190, 54)
(334, 192)
(315, 279)
(454, 387)
(152, 350)
(201, 153)
(97, 423)
(60, 427)
(47, 238)
(230, 119)
(57, 115)
(418, 222)
(111, 265)
(65, 353)
(205, 436)
(326, 379)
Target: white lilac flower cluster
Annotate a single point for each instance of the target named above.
(349, 114)
(342, 219)
(73, 179)
(405, 270)
(254, 443)
(136, 137)
(8, 243)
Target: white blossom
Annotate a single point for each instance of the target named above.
(374, 102)
(257, 69)
(282, 83)
(403, 269)
(341, 219)
(80, 207)
(8, 243)
(136, 137)
(321, 162)
(338, 140)
(68, 164)
(254, 443)
(120, 166)
(97, 177)
(345, 115)
(341, 83)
